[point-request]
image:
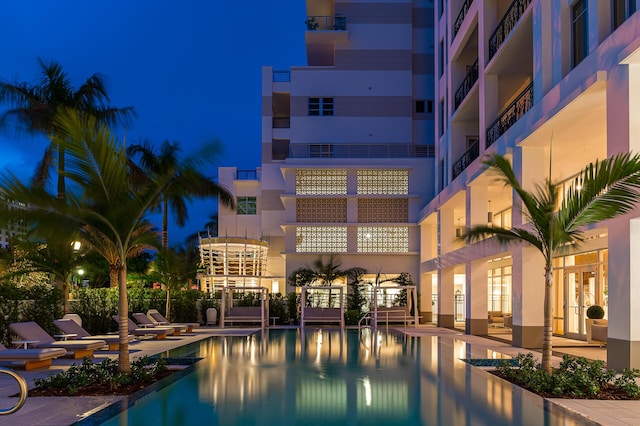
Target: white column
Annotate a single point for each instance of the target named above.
(445, 298)
(476, 298)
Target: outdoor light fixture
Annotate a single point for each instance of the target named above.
(490, 214)
(458, 230)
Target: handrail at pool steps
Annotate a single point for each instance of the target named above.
(24, 390)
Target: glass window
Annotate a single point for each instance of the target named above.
(320, 106)
(246, 205)
(579, 31)
(622, 9)
(420, 107)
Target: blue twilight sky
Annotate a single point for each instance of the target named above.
(191, 68)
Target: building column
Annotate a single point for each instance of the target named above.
(445, 298)
(476, 298)
(623, 134)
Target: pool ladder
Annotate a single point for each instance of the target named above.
(23, 391)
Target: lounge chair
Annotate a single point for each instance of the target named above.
(159, 319)
(41, 339)
(156, 332)
(32, 358)
(69, 326)
(144, 322)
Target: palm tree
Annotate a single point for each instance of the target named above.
(176, 267)
(602, 190)
(187, 181)
(323, 273)
(34, 108)
(107, 210)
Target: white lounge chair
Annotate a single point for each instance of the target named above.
(41, 339)
(157, 333)
(158, 319)
(32, 358)
(71, 327)
(144, 322)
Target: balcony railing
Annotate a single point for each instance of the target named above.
(388, 150)
(510, 115)
(326, 23)
(507, 23)
(246, 175)
(466, 85)
(460, 19)
(281, 76)
(281, 122)
(467, 158)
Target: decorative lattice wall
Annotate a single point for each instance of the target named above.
(380, 181)
(321, 182)
(383, 239)
(321, 239)
(328, 210)
(383, 210)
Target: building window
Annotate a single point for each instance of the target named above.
(420, 107)
(441, 57)
(320, 150)
(499, 281)
(321, 239)
(441, 121)
(321, 182)
(246, 205)
(430, 106)
(325, 210)
(580, 32)
(383, 239)
(622, 9)
(320, 106)
(376, 181)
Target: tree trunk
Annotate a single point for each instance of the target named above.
(168, 305)
(124, 365)
(165, 224)
(547, 346)
(113, 276)
(62, 285)
(61, 185)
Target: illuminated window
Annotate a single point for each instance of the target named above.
(383, 239)
(321, 210)
(321, 239)
(321, 182)
(383, 210)
(499, 281)
(376, 181)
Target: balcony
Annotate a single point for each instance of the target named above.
(460, 19)
(507, 23)
(467, 158)
(326, 23)
(246, 175)
(389, 150)
(510, 115)
(281, 122)
(281, 76)
(466, 85)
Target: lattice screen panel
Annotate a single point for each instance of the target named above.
(328, 210)
(321, 239)
(383, 210)
(321, 182)
(383, 239)
(381, 181)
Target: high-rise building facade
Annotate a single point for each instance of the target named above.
(552, 85)
(347, 144)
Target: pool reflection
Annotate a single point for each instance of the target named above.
(331, 376)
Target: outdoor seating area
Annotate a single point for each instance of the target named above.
(235, 310)
(154, 332)
(31, 333)
(401, 310)
(322, 305)
(158, 319)
(31, 358)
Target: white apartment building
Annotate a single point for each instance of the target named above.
(347, 145)
(553, 85)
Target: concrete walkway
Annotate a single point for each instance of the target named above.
(67, 410)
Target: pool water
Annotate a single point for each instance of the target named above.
(334, 377)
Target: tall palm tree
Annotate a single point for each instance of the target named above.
(603, 190)
(109, 213)
(33, 107)
(176, 267)
(187, 180)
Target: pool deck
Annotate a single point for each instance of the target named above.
(67, 410)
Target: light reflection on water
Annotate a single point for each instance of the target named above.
(333, 377)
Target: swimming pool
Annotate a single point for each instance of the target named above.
(334, 377)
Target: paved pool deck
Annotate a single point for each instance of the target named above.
(52, 411)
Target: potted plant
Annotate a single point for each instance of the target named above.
(594, 313)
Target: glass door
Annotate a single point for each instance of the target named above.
(580, 288)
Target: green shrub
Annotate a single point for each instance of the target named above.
(595, 312)
(88, 374)
(96, 306)
(352, 316)
(184, 306)
(293, 307)
(278, 308)
(575, 378)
